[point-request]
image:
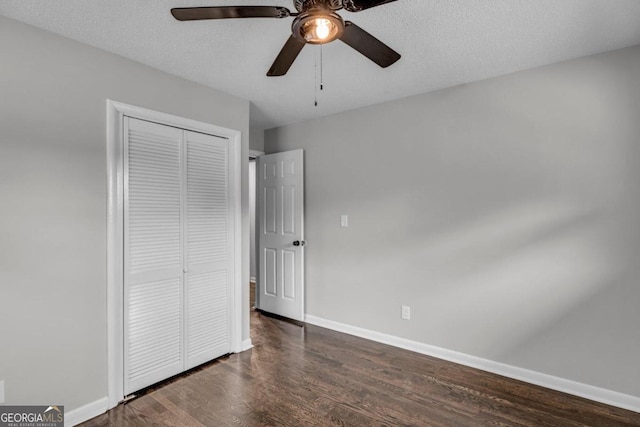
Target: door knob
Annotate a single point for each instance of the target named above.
(299, 243)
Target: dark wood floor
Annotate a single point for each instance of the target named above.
(310, 376)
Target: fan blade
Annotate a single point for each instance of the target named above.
(368, 45)
(224, 12)
(285, 58)
(358, 5)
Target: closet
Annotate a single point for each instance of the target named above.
(178, 257)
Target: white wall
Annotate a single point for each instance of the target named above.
(53, 94)
(504, 212)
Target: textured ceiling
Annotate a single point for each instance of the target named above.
(443, 43)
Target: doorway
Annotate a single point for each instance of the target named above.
(281, 244)
(253, 254)
(277, 234)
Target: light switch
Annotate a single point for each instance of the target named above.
(344, 221)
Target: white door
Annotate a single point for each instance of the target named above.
(152, 253)
(208, 248)
(177, 257)
(280, 199)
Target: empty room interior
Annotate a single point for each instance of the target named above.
(320, 212)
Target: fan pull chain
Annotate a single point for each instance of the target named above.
(315, 82)
(315, 102)
(321, 69)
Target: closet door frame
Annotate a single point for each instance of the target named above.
(116, 111)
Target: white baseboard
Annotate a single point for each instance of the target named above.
(246, 344)
(86, 412)
(586, 391)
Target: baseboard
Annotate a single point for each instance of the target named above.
(586, 391)
(246, 344)
(86, 412)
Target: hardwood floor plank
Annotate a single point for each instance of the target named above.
(311, 376)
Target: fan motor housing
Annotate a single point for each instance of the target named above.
(298, 26)
(302, 5)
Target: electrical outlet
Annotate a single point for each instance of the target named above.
(1, 391)
(406, 312)
(344, 221)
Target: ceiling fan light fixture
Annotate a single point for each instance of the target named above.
(316, 22)
(318, 26)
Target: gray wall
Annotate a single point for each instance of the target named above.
(53, 196)
(504, 212)
(256, 139)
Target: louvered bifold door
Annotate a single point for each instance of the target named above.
(153, 240)
(208, 251)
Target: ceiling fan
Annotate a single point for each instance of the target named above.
(316, 22)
